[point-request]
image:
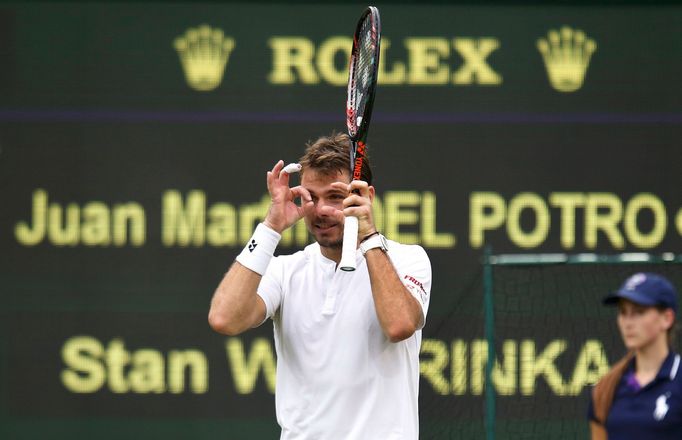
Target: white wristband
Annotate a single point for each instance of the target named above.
(260, 249)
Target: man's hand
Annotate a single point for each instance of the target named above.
(358, 204)
(284, 211)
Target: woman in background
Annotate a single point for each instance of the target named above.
(641, 396)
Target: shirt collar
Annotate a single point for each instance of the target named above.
(671, 366)
(314, 253)
(669, 369)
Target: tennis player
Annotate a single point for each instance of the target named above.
(347, 343)
(641, 397)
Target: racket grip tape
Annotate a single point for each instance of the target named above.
(350, 244)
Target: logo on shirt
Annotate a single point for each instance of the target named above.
(252, 245)
(416, 282)
(421, 294)
(661, 406)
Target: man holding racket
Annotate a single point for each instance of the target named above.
(347, 342)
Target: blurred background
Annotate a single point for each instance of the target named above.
(134, 141)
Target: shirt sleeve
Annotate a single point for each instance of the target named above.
(270, 287)
(414, 269)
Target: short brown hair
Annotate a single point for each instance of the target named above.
(331, 154)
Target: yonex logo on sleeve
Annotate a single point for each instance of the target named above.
(252, 245)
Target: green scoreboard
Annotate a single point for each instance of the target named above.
(134, 141)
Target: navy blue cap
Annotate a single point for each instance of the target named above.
(647, 289)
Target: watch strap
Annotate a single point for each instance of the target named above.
(373, 242)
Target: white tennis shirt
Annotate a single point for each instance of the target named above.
(338, 376)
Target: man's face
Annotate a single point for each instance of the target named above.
(325, 221)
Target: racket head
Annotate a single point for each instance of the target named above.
(363, 71)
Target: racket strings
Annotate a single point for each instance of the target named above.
(363, 66)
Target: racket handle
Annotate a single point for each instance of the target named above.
(350, 244)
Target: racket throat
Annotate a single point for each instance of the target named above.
(359, 157)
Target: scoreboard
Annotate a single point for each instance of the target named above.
(134, 141)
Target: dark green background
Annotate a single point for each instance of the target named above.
(94, 106)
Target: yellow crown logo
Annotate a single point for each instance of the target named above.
(204, 53)
(566, 54)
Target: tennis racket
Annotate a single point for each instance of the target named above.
(362, 81)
